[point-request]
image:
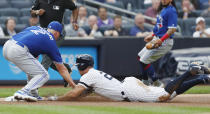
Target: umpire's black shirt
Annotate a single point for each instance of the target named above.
(54, 10)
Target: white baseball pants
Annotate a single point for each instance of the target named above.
(135, 90)
(149, 56)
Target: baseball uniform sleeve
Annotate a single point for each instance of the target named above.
(87, 81)
(69, 4)
(172, 19)
(54, 54)
(35, 5)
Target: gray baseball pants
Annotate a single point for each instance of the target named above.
(22, 58)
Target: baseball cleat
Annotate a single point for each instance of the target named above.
(205, 78)
(205, 69)
(158, 83)
(146, 82)
(208, 78)
(39, 98)
(196, 69)
(20, 95)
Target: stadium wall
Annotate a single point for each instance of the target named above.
(116, 56)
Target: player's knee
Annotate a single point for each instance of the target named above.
(46, 75)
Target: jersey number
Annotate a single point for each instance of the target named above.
(107, 76)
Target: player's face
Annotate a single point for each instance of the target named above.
(166, 2)
(57, 35)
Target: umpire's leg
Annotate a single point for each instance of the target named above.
(47, 62)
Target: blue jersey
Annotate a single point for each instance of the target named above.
(39, 41)
(167, 19)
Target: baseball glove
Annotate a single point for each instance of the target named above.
(154, 44)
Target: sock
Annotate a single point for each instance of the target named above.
(186, 85)
(147, 70)
(143, 74)
(173, 85)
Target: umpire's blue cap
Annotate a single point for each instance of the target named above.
(55, 25)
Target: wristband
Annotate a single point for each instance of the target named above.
(164, 37)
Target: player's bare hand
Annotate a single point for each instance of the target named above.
(75, 26)
(51, 98)
(148, 38)
(41, 12)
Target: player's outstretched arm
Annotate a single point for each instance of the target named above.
(72, 95)
(65, 74)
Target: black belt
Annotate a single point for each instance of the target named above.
(20, 44)
(124, 97)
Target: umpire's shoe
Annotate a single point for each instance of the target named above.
(21, 95)
(196, 69)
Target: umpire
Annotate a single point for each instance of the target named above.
(53, 10)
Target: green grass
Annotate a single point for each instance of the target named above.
(48, 109)
(5, 92)
(58, 109)
(199, 90)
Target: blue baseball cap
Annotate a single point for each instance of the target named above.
(55, 25)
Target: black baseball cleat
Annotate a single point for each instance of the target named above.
(205, 78)
(205, 69)
(196, 69)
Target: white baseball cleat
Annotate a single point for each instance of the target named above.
(21, 95)
(10, 99)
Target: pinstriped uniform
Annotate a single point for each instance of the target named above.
(135, 90)
(107, 86)
(102, 84)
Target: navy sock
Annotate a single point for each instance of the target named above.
(186, 85)
(151, 73)
(147, 70)
(173, 85)
(143, 74)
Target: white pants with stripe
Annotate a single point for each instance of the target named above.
(135, 90)
(149, 56)
(21, 57)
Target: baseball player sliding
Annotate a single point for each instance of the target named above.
(22, 51)
(160, 42)
(130, 89)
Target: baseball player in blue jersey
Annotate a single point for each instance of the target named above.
(23, 49)
(160, 42)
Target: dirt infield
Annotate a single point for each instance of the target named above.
(198, 100)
